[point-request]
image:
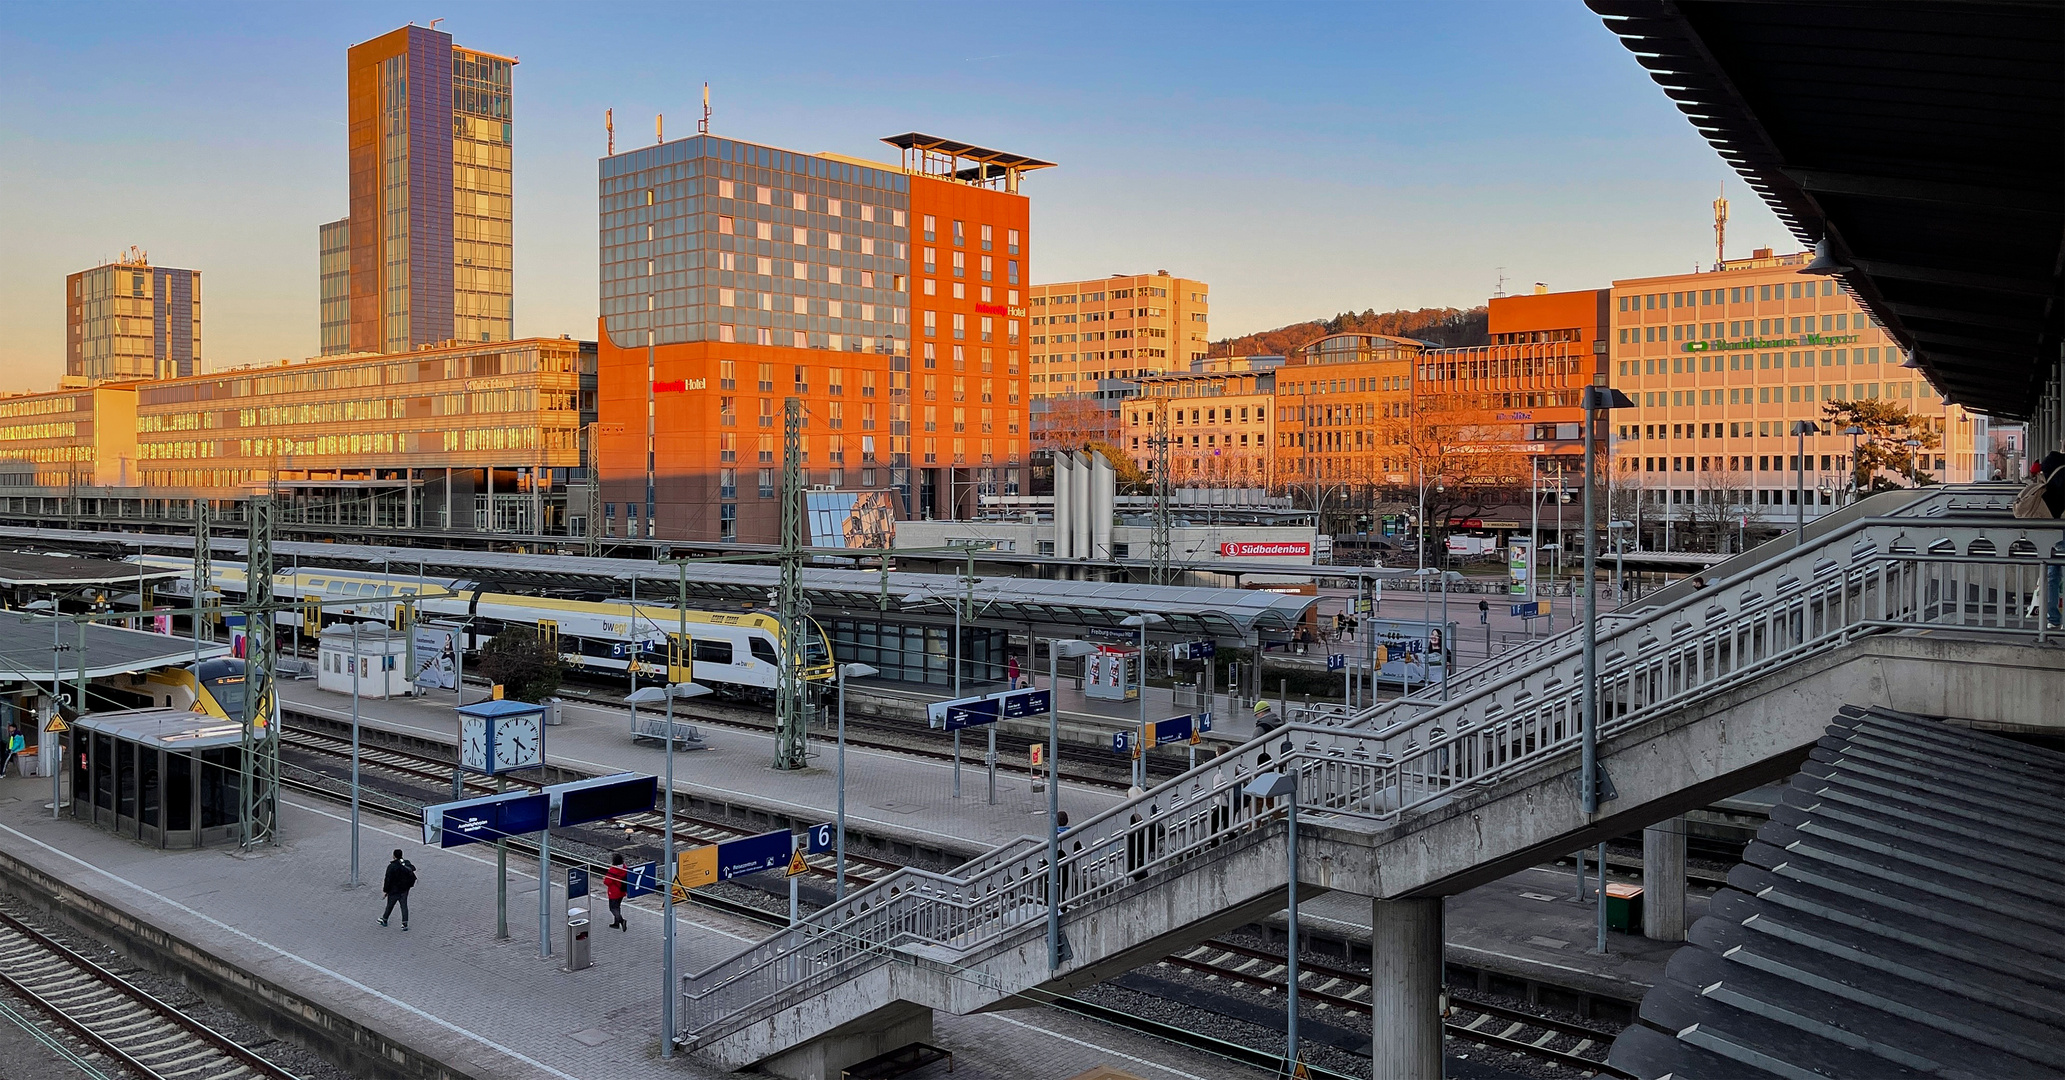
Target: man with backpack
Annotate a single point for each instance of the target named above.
(2044, 499)
(401, 877)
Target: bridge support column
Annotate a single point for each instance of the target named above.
(1405, 989)
(1663, 880)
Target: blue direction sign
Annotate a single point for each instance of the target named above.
(1529, 610)
(767, 851)
(576, 881)
(1336, 661)
(1174, 729)
(971, 714)
(821, 838)
(1021, 703)
(485, 819)
(641, 879)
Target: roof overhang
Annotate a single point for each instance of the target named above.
(1921, 140)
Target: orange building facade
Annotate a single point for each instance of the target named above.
(1365, 411)
(885, 299)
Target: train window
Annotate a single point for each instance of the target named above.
(387, 590)
(335, 588)
(763, 650)
(707, 651)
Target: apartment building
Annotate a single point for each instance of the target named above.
(1126, 326)
(1722, 363)
(1219, 420)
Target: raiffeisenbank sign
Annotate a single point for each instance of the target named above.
(1771, 343)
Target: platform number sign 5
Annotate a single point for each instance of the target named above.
(821, 838)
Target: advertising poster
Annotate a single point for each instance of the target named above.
(1520, 565)
(436, 664)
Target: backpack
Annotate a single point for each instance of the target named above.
(408, 875)
(2030, 503)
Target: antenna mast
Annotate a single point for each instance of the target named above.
(704, 127)
(1721, 230)
(1502, 282)
(659, 127)
(609, 124)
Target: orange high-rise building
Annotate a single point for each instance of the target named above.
(887, 299)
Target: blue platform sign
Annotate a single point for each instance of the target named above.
(821, 839)
(1022, 703)
(1204, 721)
(1121, 742)
(968, 714)
(767, 851)
(1529, 610)
(1174, 729)
(576, 881)
(485, 819)
(641, 879)
(1336, 661)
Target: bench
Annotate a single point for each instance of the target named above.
(898, 1062)
(686, 735)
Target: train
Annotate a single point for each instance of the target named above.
(735, 653)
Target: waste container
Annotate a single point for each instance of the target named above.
(576, 938)
(555, 711)
(1624, 907)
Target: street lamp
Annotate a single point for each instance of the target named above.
(1853, 431)
(1143, 621)
(934, 598)
(1913, 475)
(856, 671)
(1597, 399)
(1801, 429)
(1272, 785)
(1056, 649)
(650, 695)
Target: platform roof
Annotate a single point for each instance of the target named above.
(1921, 139)
(169, 729)
(29, 570)
(29, 650)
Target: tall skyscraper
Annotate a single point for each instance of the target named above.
(424, 256)
(127, 319)
(888, 299)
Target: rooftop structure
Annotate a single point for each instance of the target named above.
(127, 319)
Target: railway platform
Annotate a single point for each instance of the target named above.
(276, 931)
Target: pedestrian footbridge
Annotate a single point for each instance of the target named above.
(1927, 602)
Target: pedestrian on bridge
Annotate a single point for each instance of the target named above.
(401, 877)
(613, 883)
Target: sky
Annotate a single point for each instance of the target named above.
(1302, 159)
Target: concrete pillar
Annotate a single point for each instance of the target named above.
(1405, 989)
(1663, 880)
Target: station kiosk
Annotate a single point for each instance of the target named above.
(168, 778)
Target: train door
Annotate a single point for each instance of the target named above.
(312, 614)
(679, 658)
(548, 633)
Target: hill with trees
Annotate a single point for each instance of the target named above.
(1443, 326)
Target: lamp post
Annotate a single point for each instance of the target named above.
(355, 752)
(1801, 429)
(649, 695)
(1056, 649)
(1597, 399)
(1913, 473)
(857, 671)
(1853, 431)
(1271, 785)
(1142, 621)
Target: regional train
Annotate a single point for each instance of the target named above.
(737, 653)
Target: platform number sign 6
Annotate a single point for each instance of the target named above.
(821, 838)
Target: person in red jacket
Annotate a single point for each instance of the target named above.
(613, 881)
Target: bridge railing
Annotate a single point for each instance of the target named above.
(1867, 576)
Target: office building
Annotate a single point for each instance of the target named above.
(1722, 363)
(127, 319)
(429, 139)
(1220, 420)
(886, 298)
(1087, 334)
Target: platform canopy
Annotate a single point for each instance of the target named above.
(24, 570)
(1921, 140)
(30, 650)
(167, 729)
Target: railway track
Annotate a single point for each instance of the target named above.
(122, 1020)
(1572, 1045)
(418, 770)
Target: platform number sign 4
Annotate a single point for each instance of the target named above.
(821, 838)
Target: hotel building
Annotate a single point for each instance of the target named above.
(425, 255)
(887, 299)
(127, 319)
(1721, 363)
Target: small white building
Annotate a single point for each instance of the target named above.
(380, 659)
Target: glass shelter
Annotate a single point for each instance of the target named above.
(169, 778)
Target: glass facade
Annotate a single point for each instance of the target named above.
(708, 239)
(482, 221)
(394, 231)
(131, 320)
(336, 286)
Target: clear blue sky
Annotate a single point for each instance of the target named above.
(1302, 159)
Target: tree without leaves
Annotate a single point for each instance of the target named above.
(1887, 428)
(1070, 423)
(522, 663)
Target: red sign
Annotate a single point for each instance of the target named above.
(678, 386)
(990, 309)
(1252, 549)
(1467, 523)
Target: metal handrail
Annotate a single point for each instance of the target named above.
(1868, 576)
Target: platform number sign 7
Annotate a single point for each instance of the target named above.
(821, 838)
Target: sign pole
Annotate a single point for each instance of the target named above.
(794, 904)
(545, 889)
(501, 879)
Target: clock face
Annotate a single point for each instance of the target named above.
(519, 743)
(473, 743)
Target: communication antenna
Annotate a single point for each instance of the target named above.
(609, 124)
(1721, 229)
(1501, 291)
(659, 127)
(704, 127)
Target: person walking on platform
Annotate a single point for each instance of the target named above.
(1011, 673)
(613, 881)
(401, 877)
(9, 749)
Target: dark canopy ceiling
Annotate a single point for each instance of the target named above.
(1924, 140)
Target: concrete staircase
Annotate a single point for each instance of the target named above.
(1703, 693)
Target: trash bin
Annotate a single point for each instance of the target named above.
(576, 939)
(1624, 907)
(555, 711)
